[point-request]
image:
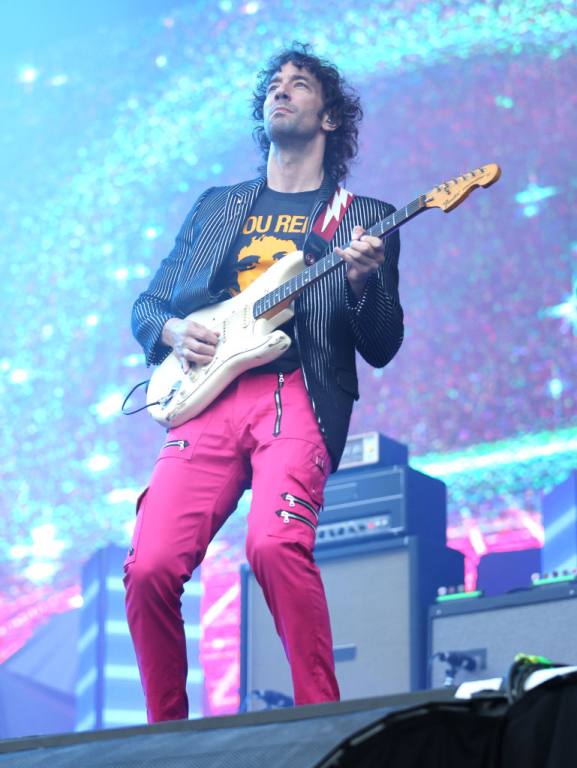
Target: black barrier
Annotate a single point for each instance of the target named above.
(537, 731)
(445, 735)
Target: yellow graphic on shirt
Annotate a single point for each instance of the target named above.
(261, 253)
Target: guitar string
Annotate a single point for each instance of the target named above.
(331, 261)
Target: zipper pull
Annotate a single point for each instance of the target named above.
(285, 517)
(290, 498)
(278, 403)
(180, 444)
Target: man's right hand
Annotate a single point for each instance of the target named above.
(190, 341)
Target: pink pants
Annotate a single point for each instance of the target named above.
(262, 434)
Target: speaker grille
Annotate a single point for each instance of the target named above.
(544, 628)
(369, 596)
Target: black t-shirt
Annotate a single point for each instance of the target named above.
(276, 226)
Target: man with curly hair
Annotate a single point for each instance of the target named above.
(278, 429)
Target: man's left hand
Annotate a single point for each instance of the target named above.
(364, 256)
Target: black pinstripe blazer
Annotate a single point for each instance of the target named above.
(329, 323)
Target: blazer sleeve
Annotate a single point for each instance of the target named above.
(152, 308)
(377, 316)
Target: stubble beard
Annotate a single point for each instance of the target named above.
(287, 133)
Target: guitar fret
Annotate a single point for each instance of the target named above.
(332, 260)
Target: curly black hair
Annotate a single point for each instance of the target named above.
(341, 102)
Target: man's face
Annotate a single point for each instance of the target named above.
(293, 108)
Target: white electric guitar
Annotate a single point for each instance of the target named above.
(248, 322)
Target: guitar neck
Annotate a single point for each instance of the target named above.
(291, 288)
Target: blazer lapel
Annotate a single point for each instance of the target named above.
(239, 202)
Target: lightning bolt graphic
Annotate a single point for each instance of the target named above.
(339, 201)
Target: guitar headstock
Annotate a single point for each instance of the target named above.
(451, 193)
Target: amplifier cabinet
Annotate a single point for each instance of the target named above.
(540, 621)
(372, 449)
(409, 502)
(378, 594)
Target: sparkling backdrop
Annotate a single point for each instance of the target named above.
(105, 143)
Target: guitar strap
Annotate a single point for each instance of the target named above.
(326, 224)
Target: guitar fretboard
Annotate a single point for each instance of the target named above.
(332, 261)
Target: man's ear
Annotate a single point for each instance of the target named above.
(329, 123)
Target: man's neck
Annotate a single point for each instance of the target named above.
(295, 170)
